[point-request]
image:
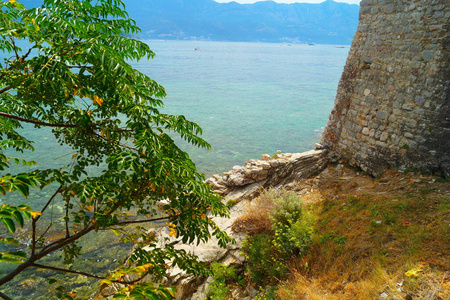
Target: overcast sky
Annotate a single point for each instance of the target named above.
(291, 1)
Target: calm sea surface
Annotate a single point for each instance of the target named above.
(249, 98)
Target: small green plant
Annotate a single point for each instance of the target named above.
(232, 202)
(292, 239)
(375, 223)
(270, 293)
(268, 254)
(287, 207)
(262, 264)
(340, 240)
(326, 237)
(223, 275)
(441, 180)
(402, 206)
(354, 200)
(389, 218)
(426, 191)
(445, 206)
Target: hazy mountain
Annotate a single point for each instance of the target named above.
(328, 22)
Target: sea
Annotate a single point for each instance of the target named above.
(249, 98)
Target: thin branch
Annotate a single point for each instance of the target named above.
(66, 220)
(14, 45)
(26, 54)
(56, 246)
(84, 273)
(4, 89)
(121, 145)
(9, 116)
(142, 221)
(34, 221)
(49, 201)
(65, 270)
(4, 296)
(79, 67)
(45, 231)
(47, 250)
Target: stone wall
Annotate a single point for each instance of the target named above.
(392, 104)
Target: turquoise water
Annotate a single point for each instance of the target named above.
(249, 98)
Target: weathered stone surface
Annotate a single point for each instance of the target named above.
(286, 167)
(396, 87)
(189, 287)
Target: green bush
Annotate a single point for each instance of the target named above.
(262, 262)
(218, 289)
(268, 255)
(292, 239)
(288, 207)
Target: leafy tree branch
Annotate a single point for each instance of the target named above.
(9, 116)
(74, 78)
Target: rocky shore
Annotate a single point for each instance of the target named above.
(270, 171)
(241, 185)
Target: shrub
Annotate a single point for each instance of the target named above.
(287, 207)
(256, 218)
(268, 254)
(218, 289)
(262, 262)
(292, 239)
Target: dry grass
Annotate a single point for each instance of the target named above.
(256, 218)
(369, 233)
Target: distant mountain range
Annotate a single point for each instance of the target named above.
(325, 23)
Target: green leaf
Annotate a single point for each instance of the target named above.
(23, 189)
(6, 214)
(21, 254)
(19, 218)
(27, 214)
(9, 224)
(9, 241)
(13, 257)
(17, 5)
(10, 259)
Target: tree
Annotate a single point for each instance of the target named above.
(74, 78)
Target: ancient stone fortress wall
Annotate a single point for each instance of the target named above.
(392, 105)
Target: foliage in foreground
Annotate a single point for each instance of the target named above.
(268, 253)
(73, 78)
(223, 275)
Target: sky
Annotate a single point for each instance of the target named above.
(292, 1)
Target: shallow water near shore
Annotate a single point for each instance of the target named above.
(249, 98)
